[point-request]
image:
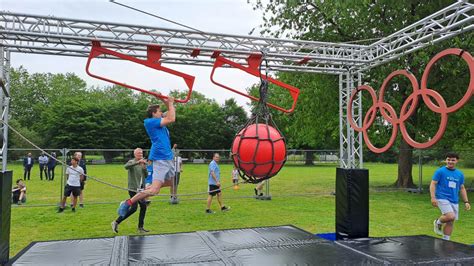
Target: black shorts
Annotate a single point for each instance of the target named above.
(214, 187)
(76, 191)
(82, 185)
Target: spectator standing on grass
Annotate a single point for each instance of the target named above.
(214, 182)
(28, 163)
(74, 175)
(235, 177)
(446, 184)
(51, 166)
(43, 166)
(137, 174)
(82, 164)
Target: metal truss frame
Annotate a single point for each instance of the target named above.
(350, 142)
(4, 102)
(50, 35)
(444, 24)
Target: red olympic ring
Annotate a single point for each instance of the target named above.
(410, 104)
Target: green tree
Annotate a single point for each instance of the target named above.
(31, 94)
(234, 119)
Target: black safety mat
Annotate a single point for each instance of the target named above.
(279, 245)
(80, 251)
(413, 250)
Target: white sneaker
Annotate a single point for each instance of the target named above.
(437, 228)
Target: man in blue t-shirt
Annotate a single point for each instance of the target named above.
(445, 186)
(160, 152)
(214, 181)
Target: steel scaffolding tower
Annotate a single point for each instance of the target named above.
(350, 142)
(24, 33)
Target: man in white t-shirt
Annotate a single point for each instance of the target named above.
(74, 176)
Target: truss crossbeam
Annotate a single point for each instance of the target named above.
(446, 23)
(49, 33)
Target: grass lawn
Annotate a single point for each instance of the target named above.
(301, 196)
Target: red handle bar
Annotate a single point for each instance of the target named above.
(253, 69)
(153, 57)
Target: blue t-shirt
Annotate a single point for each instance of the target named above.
(449, 183)
(160, 140)
(213, 167)
(149, 177)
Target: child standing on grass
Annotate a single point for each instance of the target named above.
(235, 178)
(74, 176)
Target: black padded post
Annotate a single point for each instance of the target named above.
(5, 214)
(352, 203)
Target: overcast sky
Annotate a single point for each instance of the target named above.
(219, 16)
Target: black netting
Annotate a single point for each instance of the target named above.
(259, 148)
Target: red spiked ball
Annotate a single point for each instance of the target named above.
(259, 150)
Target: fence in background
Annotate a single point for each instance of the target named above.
(98, 158)
(204, 156)
(106, 156)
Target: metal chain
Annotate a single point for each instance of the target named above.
(260, 111)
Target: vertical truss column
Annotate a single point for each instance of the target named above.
(350, 142)
(4, 102)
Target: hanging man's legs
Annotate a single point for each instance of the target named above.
(163, 171)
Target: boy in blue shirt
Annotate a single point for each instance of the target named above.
(445, 186)
(160, 152)
(149, 177)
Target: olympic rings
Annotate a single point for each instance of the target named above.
(410, 104)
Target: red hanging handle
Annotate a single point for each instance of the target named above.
(254, 61)
(152, 61)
